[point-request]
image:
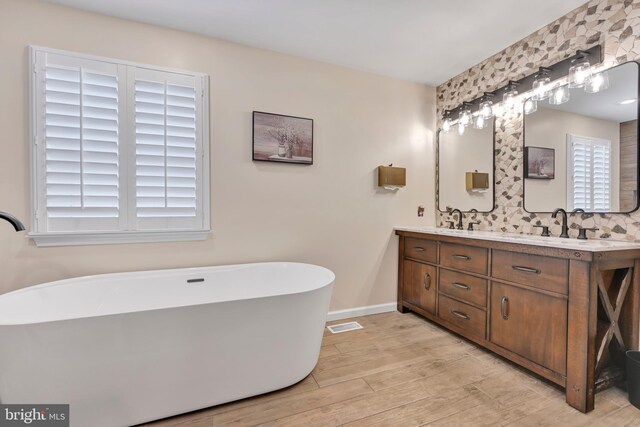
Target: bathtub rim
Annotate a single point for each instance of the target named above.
(63, 282)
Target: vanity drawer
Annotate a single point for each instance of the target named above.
(551, 274)
(471, 319)
(424, 250)
(462, 257)
(462, 286)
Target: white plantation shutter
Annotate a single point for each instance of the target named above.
(590, 173)
(118, 147)
(78, 137)
(167, 155)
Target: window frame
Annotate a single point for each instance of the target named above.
(45, 238)
(570, 182)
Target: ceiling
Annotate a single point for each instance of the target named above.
(427, 41)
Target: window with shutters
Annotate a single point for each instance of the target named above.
(120, 151)
(589, 167)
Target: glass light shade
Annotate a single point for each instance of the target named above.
(530, 106)
(597, 82)
(509, 98)
(461, 129)
(464, 117)
(486, 109)
(541, 88)
(559, 95)
(479, 121)
(446, 125)
(579, 73)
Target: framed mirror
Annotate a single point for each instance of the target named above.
(466, 169)
(583, 153)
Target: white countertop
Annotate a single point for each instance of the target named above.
(591, 245)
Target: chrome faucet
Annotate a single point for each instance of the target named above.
(15, 222)
(565, 227)
(459, 226)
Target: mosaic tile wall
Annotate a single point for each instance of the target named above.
(613, 23)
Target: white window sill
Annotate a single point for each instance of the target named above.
(78, 239)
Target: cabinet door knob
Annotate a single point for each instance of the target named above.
(460, 315)
(419, 248)
(461, 286)
(504, 308)
(427, 281)
(464, 257)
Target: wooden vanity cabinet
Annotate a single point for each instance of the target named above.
(541, 307)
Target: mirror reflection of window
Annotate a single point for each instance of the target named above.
(595, 139)
(589, 171)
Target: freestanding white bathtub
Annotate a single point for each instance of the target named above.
(127, 348)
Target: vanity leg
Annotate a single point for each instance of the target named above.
(629, 324)
(582, 325)
(401, 308)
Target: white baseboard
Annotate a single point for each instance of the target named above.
(361, 311)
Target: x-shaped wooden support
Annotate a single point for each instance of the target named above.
(613, 329)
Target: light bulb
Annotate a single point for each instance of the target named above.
(480, 122)
(464, 117)
(579, 72)
(461, 129)
(560, 95)
(597, 82)
(446, 125)
(530, 106)
(486, 109)
(540, 88)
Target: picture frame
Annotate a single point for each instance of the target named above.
(539, 163)
(282, 139)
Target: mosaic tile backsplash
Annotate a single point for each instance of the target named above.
(614, 24)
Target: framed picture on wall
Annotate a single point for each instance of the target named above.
(280, 138)
(539, 163)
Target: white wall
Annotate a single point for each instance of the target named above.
(458, 155)
(330, 213)
(548, 128)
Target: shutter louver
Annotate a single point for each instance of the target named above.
(81, 143)
(591, 177)
(165, 150)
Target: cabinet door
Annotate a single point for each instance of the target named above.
(420, 285)
(531, 324)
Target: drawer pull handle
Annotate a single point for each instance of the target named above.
(427, 281)
(461, 286)
(525, 269)
(504, 308)
(460, 315)
(464, 257)
(419, 248)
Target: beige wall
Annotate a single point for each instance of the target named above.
(459, 155)
(549, 128)
(330, 213)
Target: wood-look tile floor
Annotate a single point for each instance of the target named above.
(401, 370)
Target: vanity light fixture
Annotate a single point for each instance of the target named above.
(446, 121)
(627, 101)
(559, 95)
(580, 70)
(530, 106)
(597, 82)
(486, 106)
(541, 84)
(464, 117)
